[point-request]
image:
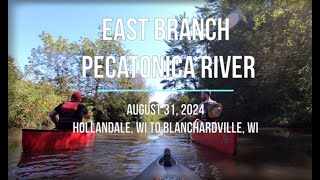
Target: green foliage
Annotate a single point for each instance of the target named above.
(278, 35)
(54, 72)
(54, 62)
(153, 117)
(13, 76)
(108, 106)
(182, 48)
(177, 100)
(31, 104)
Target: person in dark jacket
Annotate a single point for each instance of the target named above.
(69, 112)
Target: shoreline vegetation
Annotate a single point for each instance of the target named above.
(278, 35)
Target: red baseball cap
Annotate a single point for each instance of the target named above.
(77, 95)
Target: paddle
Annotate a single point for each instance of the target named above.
(185, 117)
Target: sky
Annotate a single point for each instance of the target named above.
(74, 20)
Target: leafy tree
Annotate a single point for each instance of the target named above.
(54, 62)
(109, 106)
(182, 48)
(14, 75)
(177, 100)
(278, 35)
(31, 103)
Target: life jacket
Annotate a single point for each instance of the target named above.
(204, 116)
(68, 110)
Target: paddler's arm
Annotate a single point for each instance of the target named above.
(194, 116)
(188, 117)
(53, 117)
(191, 117)
(86, 114)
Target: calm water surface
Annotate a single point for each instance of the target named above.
(271, 154)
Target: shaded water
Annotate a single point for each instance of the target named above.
(271, 154)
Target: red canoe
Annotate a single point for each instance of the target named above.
(35, 140)
(223, 142)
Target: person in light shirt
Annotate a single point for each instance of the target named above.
(211, 109)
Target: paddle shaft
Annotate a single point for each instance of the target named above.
(182, 119)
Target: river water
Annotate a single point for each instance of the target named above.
(270, 154)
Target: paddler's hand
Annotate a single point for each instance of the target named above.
(191, 117)
(215, 110)
(187, 117)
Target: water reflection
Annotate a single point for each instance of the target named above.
(271, 154)
(215, 163)
(58, 164)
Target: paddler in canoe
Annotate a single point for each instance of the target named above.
(69, 112)
(211, 109)
(223, 142)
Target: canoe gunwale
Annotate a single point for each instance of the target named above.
(46, 130)
(233, 152)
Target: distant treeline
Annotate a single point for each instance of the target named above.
(276, 33)
(54, 72)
